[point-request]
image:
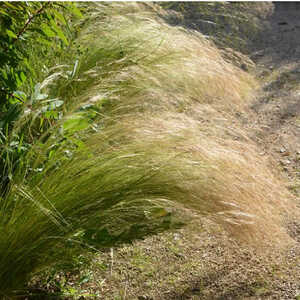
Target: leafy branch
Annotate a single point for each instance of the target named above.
(30, 19)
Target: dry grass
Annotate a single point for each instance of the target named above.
(182, 116)
(167, 133)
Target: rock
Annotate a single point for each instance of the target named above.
(285, 162)
(176, 236)
(144, 298)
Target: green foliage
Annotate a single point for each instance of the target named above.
(31, 32)
(26, 23)
(43, 138)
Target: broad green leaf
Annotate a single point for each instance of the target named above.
(76, 123)
(75, 10)
(59, 32)
(45, 42)
(18, 81)
(12, 6)
(13, 100)
(60, 17)
(23, 76)
(4, 74)
(51, 152)
(48, 31)
(20, 95)
(3, 12)
(11, 34)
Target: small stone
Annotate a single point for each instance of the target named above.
(244, 67)
(176, 236)
(285, 162)
(144, 298)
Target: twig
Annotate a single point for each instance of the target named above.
(29, 20)
(38, 12)
(12, 95)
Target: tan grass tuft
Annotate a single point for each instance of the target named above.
(180, 113)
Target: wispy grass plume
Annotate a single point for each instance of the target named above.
(149, 122)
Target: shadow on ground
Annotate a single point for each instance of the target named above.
(205, 288)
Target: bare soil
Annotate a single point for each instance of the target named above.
(277, 110)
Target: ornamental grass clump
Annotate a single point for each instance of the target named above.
(149, 125)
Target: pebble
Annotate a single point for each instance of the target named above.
(285, 162)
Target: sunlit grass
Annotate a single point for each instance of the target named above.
(163, 133)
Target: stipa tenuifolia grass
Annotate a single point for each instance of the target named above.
(164, 132)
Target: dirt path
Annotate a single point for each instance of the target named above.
(277, 111)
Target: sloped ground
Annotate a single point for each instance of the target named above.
(201, 261)
(278, 108)
(197, 262)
